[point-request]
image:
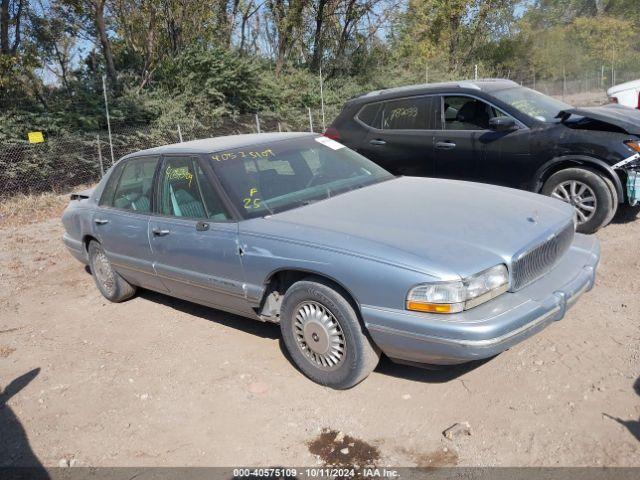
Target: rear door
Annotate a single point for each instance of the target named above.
(400, 134)
(194, 238)
(122, 218)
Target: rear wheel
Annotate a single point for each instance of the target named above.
(588, 192)
(323, 335)
(112, 286)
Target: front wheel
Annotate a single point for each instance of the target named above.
(323, 335)
(587, 191)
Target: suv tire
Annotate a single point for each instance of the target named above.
(559, 185)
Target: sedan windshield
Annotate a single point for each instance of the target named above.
(531, 102)
(269, 178)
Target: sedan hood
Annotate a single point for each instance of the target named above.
(444, 228)
(628, 119)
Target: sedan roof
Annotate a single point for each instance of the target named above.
(215, 144)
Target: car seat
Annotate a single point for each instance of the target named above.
(474, 113)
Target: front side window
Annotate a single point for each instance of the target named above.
(268, 178)
(186, 192)
(132, 191)
(467, 113)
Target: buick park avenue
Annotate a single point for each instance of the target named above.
(351, 261)
(496, 131)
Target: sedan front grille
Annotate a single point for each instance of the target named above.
(538, 260)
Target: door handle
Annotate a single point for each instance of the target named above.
(100, 221)
(160, 233)
(445, 145)
(202, 226)
(377, 142)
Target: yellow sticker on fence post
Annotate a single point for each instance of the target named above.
(36, 137)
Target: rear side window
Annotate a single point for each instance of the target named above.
(369, 115)
(133, 188)
(418, 113)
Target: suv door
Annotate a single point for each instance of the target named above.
(468, 149)
(122, 218)
(400, 134)
(194, 238)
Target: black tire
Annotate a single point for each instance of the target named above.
(359, 355)
(597, 183)
(614, 200)
(112, 286)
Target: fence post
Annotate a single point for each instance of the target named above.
(179, 133)
(310, 120)
(324, 126)
(475, 71)
(100, 155)
(258, 123)
(564, 82)
(106, 108)
(279, 127)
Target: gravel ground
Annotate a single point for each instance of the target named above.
(155, 381)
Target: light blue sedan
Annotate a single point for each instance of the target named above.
(351, 261)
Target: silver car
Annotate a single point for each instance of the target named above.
(351, 261)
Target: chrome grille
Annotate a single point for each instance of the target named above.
(536, 261)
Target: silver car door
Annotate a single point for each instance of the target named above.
(120, 223)
(194, 239)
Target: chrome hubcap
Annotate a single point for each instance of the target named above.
(319, 336)
(103, 272)
(580, 196)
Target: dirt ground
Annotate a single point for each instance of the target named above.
(155, 381)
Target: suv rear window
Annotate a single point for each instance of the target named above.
(369, 115)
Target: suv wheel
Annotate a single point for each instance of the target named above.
(112, 286)
(588, 192)
(324, 337)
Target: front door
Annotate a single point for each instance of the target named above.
(456, 146)
(193, 238)
(120, 223)
(403, 140)
(467, 149)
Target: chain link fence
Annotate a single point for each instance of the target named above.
(60, 164)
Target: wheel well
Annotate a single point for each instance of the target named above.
(278, 284)
(573, 163)
(86, 240)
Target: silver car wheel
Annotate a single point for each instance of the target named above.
(580, 195)
(319, 336)
(103, 272)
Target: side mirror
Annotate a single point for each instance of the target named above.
(502, 124)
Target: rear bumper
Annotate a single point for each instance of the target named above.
(76, 248)
(493, 327)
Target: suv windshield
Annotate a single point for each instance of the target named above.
(531, 102)
(278, 176)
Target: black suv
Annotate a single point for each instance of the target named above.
(496, 131)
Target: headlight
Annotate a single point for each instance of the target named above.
(633, 145)
(456, 296)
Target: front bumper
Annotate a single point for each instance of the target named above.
(493, 327)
